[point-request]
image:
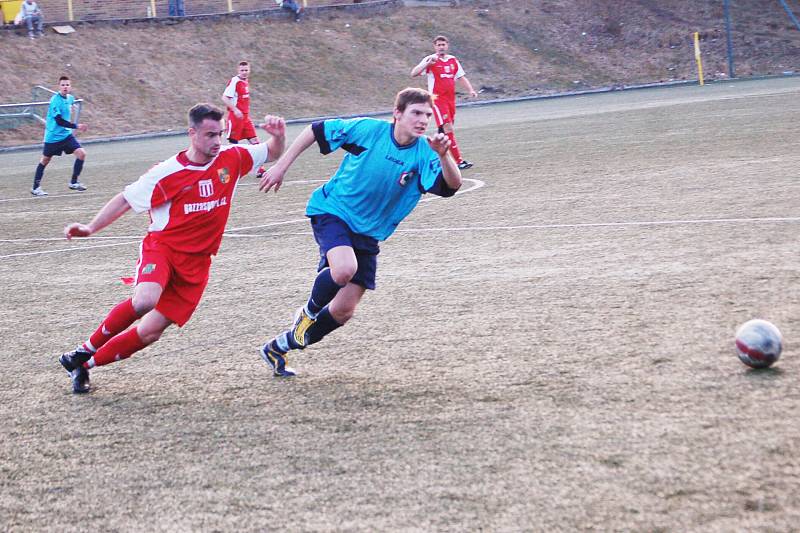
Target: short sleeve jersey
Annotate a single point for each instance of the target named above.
(188, 203)
(379, 182)
(239, 90)
(442, 76)
(59, 105)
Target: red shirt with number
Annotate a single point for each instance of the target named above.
(189, 203)
(442, 76)
(239, 90)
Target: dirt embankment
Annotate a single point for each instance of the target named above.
(142, 77)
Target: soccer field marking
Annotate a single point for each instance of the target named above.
(76, 195)
(517, 227)
(41, 198)
(75, 249)
(677, 222)
(560, 226)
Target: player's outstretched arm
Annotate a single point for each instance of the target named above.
(276, 127)
(273, 177)
(115, 208)
(441, 145)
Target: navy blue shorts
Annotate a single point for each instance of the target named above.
(67, 146)
(331, 231)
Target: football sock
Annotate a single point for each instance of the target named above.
(322, 292)
(454, 147)
(284, 342)
(118, 348)
(117, 321)
(76, 170)
(37, 178)
(325, 324)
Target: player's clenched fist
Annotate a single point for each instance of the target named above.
(275, 126)
(77, 230)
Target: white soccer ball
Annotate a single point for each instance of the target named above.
(758, 343)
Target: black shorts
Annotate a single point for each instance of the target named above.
(67, 146)
(331, 231)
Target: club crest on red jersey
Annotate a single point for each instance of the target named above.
(148, 268)
(224, 175)
(206, 188)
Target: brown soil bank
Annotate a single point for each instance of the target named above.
(142, 76)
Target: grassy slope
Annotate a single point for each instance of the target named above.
(142, 77)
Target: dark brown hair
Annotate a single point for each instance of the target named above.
(412, 95)
(200, 112)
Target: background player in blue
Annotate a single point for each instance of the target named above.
(58, 137)
(379, 182)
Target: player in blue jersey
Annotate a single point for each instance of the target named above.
(387, 169)
(58, 137)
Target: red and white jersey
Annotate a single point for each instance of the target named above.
(239, 90)
(442, 76)
(189, 204)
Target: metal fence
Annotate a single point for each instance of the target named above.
(15, 115)
(91, 10)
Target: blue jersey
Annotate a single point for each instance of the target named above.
(59, 105)
(379, 182)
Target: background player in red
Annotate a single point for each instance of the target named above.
(443, 70)
(237, 100)
(188, 198)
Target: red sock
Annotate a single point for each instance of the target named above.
(117, 321)
(454, 147)
(120, 347)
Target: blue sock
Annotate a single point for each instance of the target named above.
(76, 170)
(322, 292)
(37, 178)
(325, 324)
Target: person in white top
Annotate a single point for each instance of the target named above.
(29, 12)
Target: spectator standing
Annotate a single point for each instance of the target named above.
(176, 8)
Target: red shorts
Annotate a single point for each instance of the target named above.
(182, 276)
(444, 110)
(240, 129)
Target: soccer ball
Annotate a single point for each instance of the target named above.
(758, 343)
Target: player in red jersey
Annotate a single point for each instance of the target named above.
(237, 100)
(188, 198)
(443, 70)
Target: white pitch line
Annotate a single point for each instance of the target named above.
(42, 198)
(76, 249)
(604, 224)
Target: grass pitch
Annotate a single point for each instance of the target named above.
(552, 349)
